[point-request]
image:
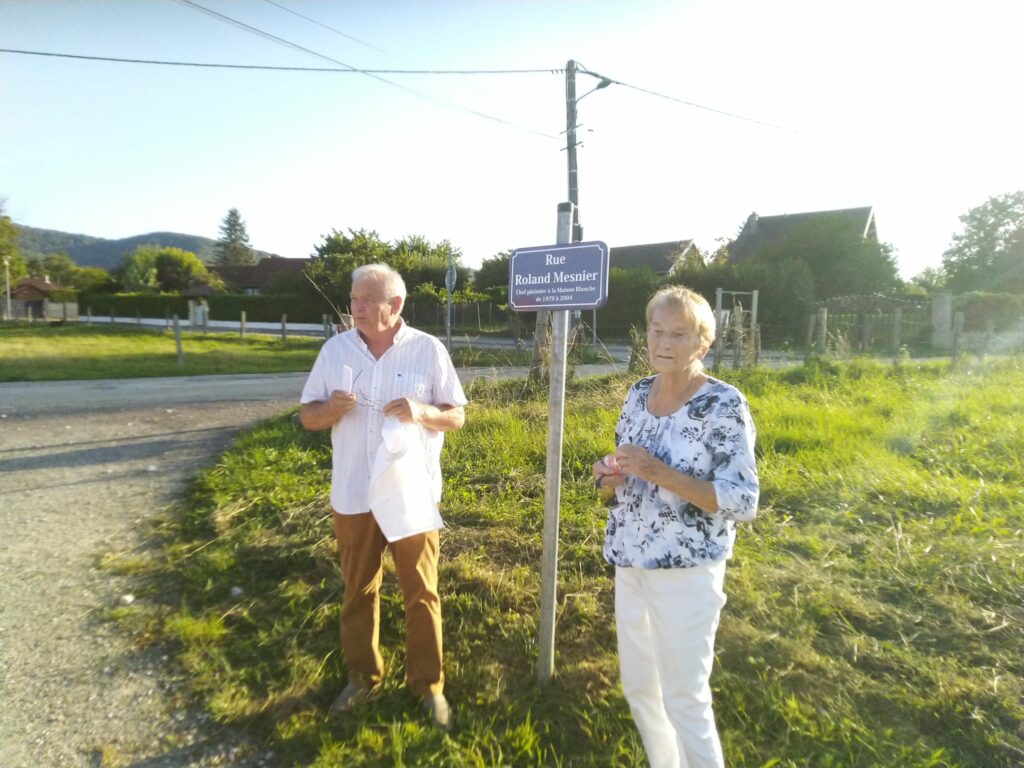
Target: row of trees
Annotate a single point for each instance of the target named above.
(809, 265)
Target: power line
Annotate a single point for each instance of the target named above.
(347, 69)
(295, 46)
(330, 28)
(343, 70)
(692, 104)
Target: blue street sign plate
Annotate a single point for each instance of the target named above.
(566, 276)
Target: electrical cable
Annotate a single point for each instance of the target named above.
(295, 46)
(689, 103)
(343, 70)
(331, 29)
(347, 69)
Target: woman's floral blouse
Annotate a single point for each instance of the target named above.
(711, 437)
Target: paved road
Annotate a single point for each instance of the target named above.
(70, 397)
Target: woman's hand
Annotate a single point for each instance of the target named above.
(634, 460)
(607, 472)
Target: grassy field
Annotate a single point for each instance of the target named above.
(875, 606)
(50, 353)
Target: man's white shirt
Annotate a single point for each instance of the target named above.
(416, 366)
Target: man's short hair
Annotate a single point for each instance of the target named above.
(389, 279)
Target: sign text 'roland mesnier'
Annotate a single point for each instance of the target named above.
(566, 276)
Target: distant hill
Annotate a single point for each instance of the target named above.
(87, 251)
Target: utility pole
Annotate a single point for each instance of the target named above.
(575, 232)
(570, 148)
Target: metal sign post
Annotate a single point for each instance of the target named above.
(564, 277)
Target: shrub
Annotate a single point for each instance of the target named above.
(1003, 310)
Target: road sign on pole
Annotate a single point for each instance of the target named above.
(556, 414)
(563, 276)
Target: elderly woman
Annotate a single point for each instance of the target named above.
(683, 473)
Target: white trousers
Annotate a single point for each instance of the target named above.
(666, 621)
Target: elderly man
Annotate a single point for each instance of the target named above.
(383, 368)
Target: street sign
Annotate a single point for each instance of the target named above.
(566, 276)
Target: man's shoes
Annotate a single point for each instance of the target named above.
(440, 714)
(351, 697)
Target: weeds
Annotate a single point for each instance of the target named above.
(875, 606)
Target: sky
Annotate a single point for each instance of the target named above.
(775, 107)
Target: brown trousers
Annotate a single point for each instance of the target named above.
(361, 548)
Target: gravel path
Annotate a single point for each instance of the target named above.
(74, 690)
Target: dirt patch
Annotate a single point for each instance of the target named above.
(75, 689)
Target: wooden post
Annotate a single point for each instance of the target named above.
(284, 327)
(88, 315)
(989, 331)
(241, 326)
(111, 315)
(723, 333)
(822, 330)
(897, 330)
(177, 344)
(809, 346)
(958, 328)
(138, 317)
(64, 311)
(737, 334)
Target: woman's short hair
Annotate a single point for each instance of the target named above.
(389, 279)
(693, 308)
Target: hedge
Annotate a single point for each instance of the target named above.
(223, 306)
(1002, 310)
(134, 304)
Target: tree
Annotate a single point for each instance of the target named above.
(841, 263)
(59, 268)
(232, 247)
(158, 268)
(178, 270)
(9, 246)
(93, 279)
(989, 253)
(418, 260)
(492, 277)
(929, 279)
(138, 269)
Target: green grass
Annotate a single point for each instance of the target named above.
(50, 353)
(41, 352)
(875, 605)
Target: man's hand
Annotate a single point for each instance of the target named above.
(324, 414)
(439, 418)
(341, 404)
(405, 410)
